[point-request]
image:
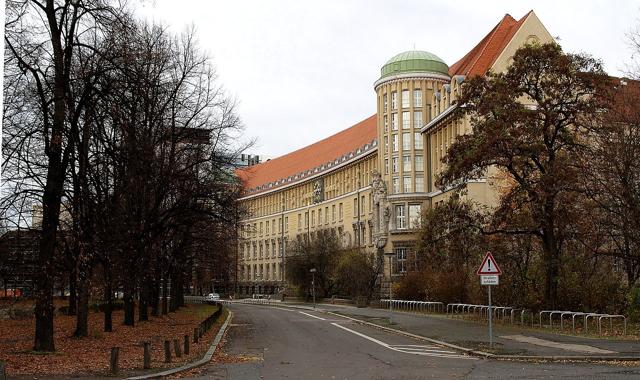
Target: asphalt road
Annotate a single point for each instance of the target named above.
(272, 343)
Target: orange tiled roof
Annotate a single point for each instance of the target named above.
(311, 156)
(480, 59)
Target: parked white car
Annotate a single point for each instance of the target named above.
(212, 297)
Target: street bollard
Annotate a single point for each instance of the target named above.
(147, 355)
(113, 365)
(167, 351)
(195, 335)
(176, 347)
(186, 345)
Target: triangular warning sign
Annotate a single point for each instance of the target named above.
(489, 266)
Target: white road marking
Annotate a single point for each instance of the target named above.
(312, 316)
(423, 349)
(393, 348)
(563, 346)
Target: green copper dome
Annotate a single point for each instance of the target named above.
(414, 61)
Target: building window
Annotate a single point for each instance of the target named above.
(260, 228)
(417, 98)
(333, 213)
(406, 141)
(363, 206)
(401, 259)
(406, 163)
(395, 143)
(417, 140)
(340, 211)
(405, 98)
(386, 144)
(273, 226)
(419, 164)
(406, 184)
(384, 103)
(419, 184)
(286, 223)
(326, 215)
(299, 221)
(401, 220)
(306, 219)
(386, 166)
(405, 120)
(386, 124)
(394, 100)
(414, 216)
(396, 185)
(394, 121)
(356, 207)
(267, 227)
(394, 164)
(260, 250)
(417, 119)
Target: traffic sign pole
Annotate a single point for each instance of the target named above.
(490, 320)
(489, 273)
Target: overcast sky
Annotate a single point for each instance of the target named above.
(302, 70)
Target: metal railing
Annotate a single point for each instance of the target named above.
(481, 312)
(413, 306)
(584, 316)
(254, 301)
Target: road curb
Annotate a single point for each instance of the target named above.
(465, 350)
(205, 359)
(468, 351)
(488, 355)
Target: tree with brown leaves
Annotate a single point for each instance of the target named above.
(529, 124)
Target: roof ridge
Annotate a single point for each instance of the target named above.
(517, 26)
(316, 142)
(492, 34)
(309, 157)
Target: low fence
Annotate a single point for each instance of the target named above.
(194, 299)
(181, 345)
(584, 318)
(504, 314)
(412, 306)
(254, 301)
(514, 315)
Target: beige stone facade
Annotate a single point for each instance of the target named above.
(370, 183)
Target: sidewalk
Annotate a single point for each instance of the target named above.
(509, 340)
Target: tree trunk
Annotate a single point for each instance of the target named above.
(108, 305)
(129, 304)
(173, 300)
(84, 285)
(552, 264)
(164, 295)
(143, 305)
(72, 292)
(155, 293)
(82, 318)
(44, 282)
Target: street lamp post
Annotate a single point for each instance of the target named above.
(390, 256)
(313, 285)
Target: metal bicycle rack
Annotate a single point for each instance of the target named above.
(585, 319)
